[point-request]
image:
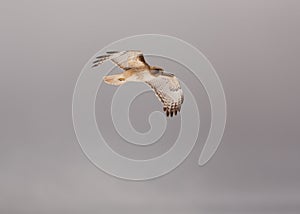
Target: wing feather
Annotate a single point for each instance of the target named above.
(124, 59)
(168, 90)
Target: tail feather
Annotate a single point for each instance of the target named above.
(117, 79)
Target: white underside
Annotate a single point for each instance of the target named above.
(140, 77)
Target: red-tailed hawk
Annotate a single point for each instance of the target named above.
(166, 85)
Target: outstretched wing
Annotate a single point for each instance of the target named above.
(169, 92)
(124, 59)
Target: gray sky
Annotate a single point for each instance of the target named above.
(254, 47)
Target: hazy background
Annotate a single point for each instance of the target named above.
(253, 45)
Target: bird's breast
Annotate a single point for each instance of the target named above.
(140, 76)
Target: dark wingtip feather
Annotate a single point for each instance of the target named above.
(102, 56)
(167, 113)
(112, 52)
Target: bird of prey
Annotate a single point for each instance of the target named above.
(165, 85)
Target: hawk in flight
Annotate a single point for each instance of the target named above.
(165, 85)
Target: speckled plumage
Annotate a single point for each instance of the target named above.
(165, 85)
